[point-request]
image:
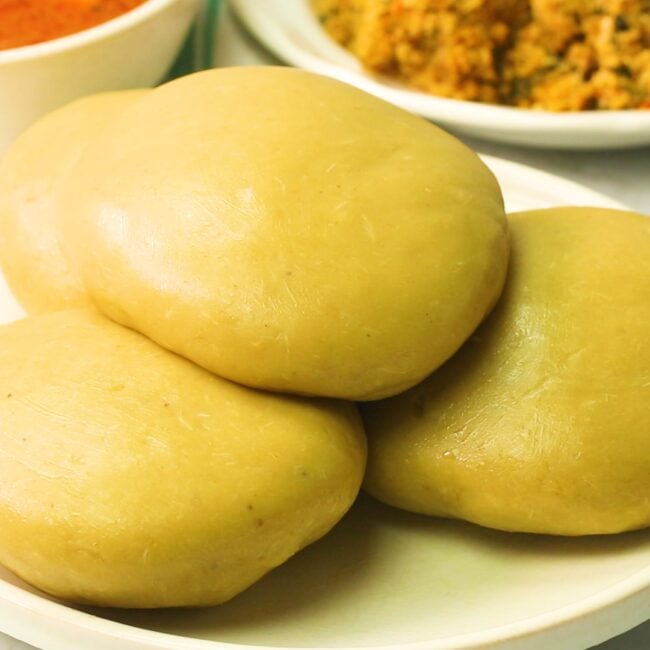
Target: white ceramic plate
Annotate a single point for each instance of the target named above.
(289, 29)
(388, 579)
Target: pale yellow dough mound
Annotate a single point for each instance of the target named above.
(541, 423)
(288, 232)
(30, 175)
(130, 477)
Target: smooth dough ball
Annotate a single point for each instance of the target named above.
(30, 175)
(130, 477)
(541, 423)
(288, 232)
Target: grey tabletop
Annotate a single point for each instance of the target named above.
(622, 175)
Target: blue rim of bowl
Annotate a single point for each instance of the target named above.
(198, 51)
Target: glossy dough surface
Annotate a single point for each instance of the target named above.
(317, 240)
(541, 422)
(130, 477)
(30, 175)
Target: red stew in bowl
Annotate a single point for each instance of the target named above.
(25, 22)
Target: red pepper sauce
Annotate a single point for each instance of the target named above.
(24, 22)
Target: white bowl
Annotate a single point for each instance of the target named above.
(290, 30)
(130, 51)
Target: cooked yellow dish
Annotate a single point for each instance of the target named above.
(132, 478)
(298, 246)
(540, 423)
(31, 175)
(558, 55)
(323, 243)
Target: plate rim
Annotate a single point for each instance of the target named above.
(622, 593)
(582, 194)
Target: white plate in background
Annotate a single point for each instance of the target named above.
(291, 31)
(386, 578)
